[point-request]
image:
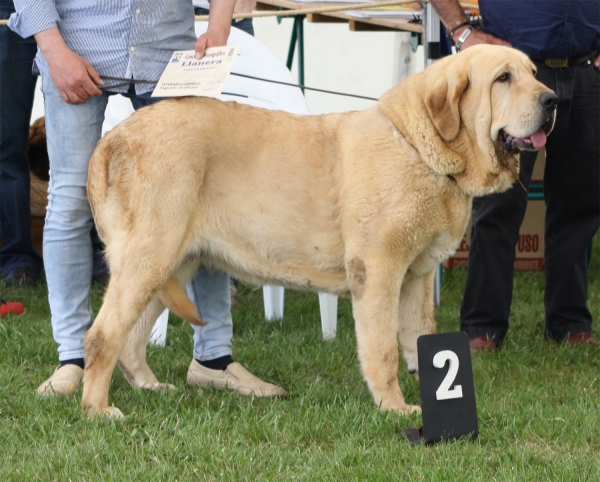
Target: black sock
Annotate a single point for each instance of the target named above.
(220, 363)
(75, 361)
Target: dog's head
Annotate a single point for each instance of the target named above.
(469, 115)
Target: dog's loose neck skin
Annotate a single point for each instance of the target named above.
(405, 108)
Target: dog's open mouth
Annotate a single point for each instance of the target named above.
(537, 140)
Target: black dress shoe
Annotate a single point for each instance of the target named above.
(581, 338)
(21, 277)
(482, 343)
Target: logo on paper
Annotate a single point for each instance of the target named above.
(176, 58)
(230, 52)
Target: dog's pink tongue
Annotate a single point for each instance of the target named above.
(538, 138)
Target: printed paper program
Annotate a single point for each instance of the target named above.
(186, 75)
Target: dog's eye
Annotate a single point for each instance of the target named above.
(505, 77)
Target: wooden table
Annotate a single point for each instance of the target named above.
(355, 24)
(390, 24)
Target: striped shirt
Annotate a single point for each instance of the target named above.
(119, 38)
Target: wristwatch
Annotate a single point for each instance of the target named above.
(464, 36)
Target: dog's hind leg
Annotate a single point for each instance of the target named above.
(132, 361)
(133, 284)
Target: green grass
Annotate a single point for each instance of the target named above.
(538, 405)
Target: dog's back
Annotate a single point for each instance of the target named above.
(221, 165)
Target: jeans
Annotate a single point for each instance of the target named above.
(17, 89)
(73, 131)
(572, 196)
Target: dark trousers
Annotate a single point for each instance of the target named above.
(17, 89)
(572, 196)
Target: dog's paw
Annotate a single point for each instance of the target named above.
(109, 412)
(407, 409)
(401, 408)
(413, 409)
(156, 387)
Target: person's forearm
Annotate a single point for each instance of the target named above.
(453, 17)
(219, 15)
(50, 42)
(219, 26)
(450, 12)
(244, 6)
(33, 17)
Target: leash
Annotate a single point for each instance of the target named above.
(123, 82)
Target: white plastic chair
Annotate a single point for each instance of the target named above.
(257, 60)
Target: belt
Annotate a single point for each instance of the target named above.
(561, 63)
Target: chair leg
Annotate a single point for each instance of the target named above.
(437, 285)
(273, 300)
(158, 336)
(328, 305)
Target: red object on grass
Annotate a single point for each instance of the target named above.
(8, 307)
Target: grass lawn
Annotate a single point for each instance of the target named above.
(538, 404)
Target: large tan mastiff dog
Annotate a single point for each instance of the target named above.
(366, 203)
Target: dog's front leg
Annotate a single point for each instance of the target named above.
(133, 362)
(415, 315)
(375, 287)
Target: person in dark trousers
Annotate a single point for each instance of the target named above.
(19, 261)
(563, 40)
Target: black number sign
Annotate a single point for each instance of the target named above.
(447, 390)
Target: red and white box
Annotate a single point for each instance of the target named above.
(530, 246)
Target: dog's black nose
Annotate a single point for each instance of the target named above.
(549, 100)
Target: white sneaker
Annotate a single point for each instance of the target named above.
(64, 382)
(235, 377)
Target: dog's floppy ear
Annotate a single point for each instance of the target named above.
(442, 103)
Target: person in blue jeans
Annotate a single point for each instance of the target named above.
(563, 40)
(78, 44)
(202, 7)
(19, 261)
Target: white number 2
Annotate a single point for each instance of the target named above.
(444, 392)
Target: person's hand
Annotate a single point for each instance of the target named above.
(479, 37)
(210, 38)
(597, 62)
(74, 77)
(219, 26)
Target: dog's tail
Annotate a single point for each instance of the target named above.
(175, 298)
